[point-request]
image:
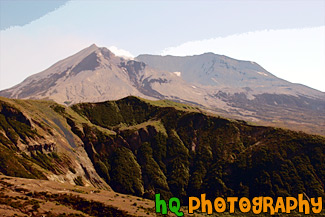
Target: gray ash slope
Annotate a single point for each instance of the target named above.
(234, 88)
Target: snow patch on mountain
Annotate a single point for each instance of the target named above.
(262, 73)
(178, 74)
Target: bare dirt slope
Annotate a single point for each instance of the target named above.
(26, 197)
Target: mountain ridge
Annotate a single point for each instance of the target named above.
(233, 88)
(141, 147)
(168, 63)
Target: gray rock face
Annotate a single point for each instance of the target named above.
(233, 88)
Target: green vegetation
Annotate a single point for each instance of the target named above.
(126, 172)
(129, 111)
(12, 164)
(168, 103)
(154, 178)
(200, 153)
(14, 124)
(142, 148)
(22, 147)
(79, 181)
(46, 161)
(26, 206)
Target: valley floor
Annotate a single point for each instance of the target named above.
(32, 197)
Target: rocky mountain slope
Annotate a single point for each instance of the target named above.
(245, 90)
(233, 88)
(36, 142)
(143, 147)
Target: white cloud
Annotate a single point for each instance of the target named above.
(297, 55)
(121, 52)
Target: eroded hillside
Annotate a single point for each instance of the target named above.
(143, 147)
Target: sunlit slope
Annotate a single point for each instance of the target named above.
(143, 147)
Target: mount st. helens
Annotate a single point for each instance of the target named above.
(233, 88)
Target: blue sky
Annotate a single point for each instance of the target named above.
(285, 37)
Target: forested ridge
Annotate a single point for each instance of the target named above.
(144, 147)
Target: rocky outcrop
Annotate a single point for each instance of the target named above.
(35, 135)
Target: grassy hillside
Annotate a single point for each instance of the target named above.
(191, 152)
(141, 147)
(36, 142)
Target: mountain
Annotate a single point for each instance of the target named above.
(233, 88)
(93, 74)
(142, 147)
(224, 73)
(245, 90)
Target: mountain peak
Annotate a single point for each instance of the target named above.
(234, 87)
(90, 49)
(98, 51)
(207, 53)
(93, 46)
